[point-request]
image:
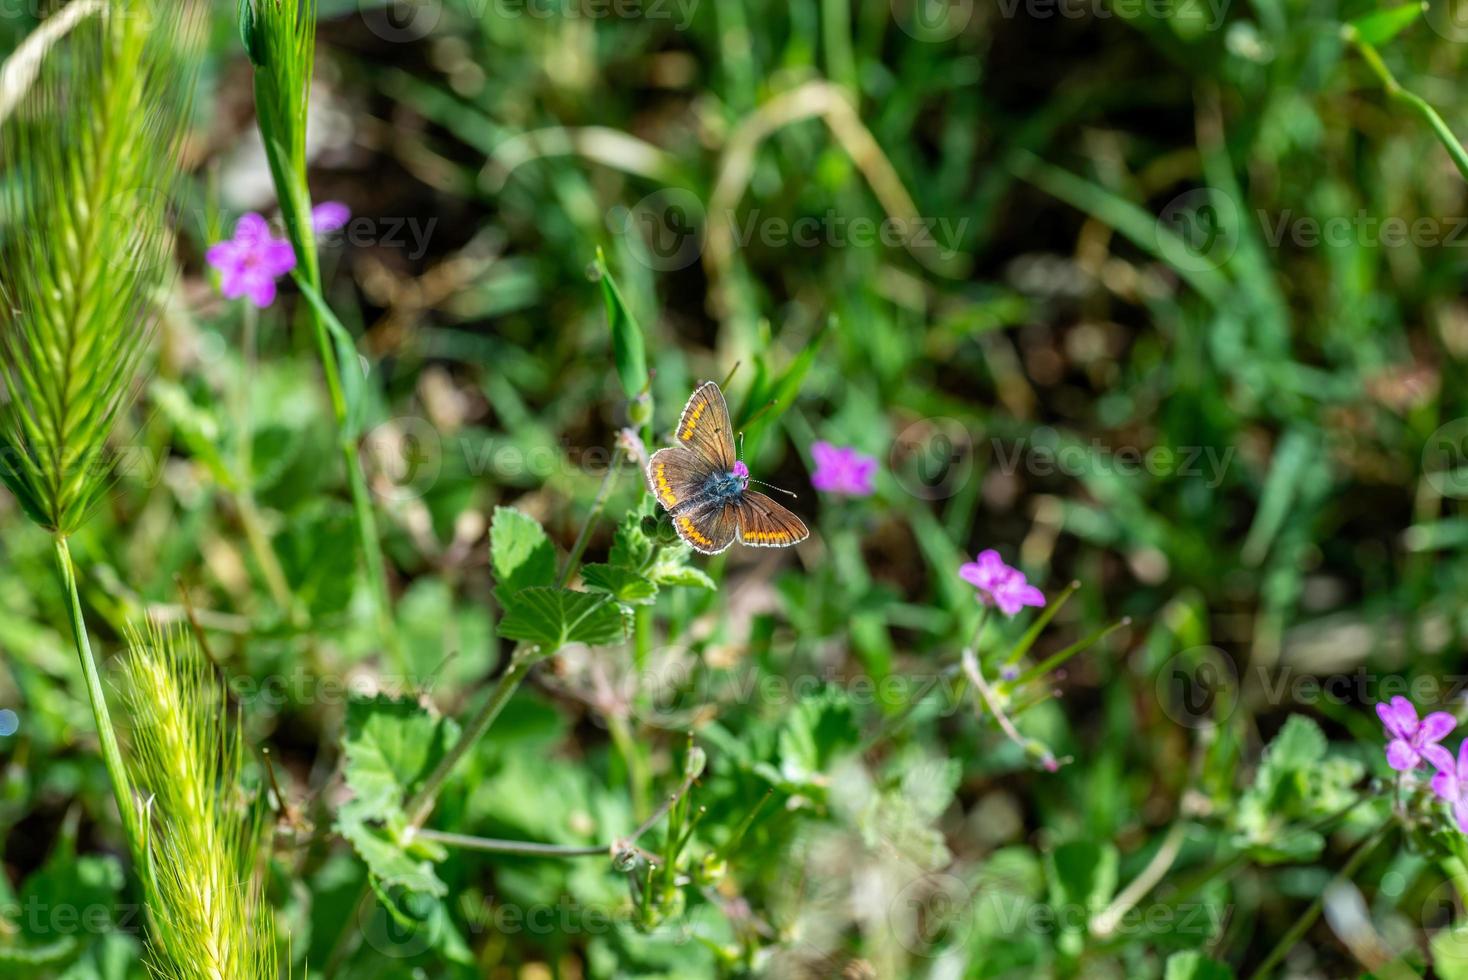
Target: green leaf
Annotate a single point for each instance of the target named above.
(1082, 876)
(522, 556)
(1193, 965)
(620, 583)
(349, 362)
(1297, 783)
(684, 575)
(195, 426)
(627, 344)
(318, 554)
(1380, 26)
(389, 747)
(552, 617)
(390, 744)
(631, 547)
(819, 728)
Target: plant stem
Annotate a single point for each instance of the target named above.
(106, 735)
(637, 775)
(607, 482)
(421, 806)
(492, 845)
(249, 512)
(1304, 922)
(1415, 103)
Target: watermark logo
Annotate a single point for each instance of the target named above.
(1449, 18)
(1198, 687)
(932, 913)
(1445, 459)
(933, 459)
(404, 457)
(1198, 230)
(669, 225)
(401, 21)
(933, 20)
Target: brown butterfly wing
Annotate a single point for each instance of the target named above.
(766, 524)
(675, 476)
(710, 527)
(705, 427)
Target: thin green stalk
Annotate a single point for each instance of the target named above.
(249, 512)
(421, 806)
(836, 34)
(1413, 102)
(607, 482)
(1305, 921)
(106, 735)
(639, 778)
(492, 845)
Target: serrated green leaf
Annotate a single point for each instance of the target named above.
(552, 617)
(1380, 26)
(631, 548)
(522, 556)
(390, 744)
(622, 584)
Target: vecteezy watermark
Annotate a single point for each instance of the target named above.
(405, 21)
(401, 21)
(933, 20)
(670, 225)
(835, 230)
(408, 233)
(933, 458)
(406, 458)
(1041, 457)
(1449, 18)
(679, 13)
(1209, 14)
(1445, 459)
(1201, 229)
(939, 911)
(1201, 687)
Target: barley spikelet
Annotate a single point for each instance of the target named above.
(92, 157)
(210, 921)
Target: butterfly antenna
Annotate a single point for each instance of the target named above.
(730, 376)
(771, 486)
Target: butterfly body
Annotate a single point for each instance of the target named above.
(705, 487)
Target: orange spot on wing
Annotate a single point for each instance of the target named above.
(665, 489)
(693, 418)
(692, 531)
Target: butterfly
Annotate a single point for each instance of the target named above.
(705, 487)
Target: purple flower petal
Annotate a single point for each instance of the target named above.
(1436, 726)
(1401, 756)
(1445, 785)
(1028, 595)
(251, 228)
(1441, 758)
(329, 216)
(261, 291)
(1405, 714)
(1460, 813)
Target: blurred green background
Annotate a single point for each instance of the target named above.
(1108, 286)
